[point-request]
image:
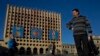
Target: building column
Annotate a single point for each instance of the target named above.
(44, 51)
(38, 51)
(32, 50)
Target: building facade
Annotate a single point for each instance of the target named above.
(34, 30)
(2, 42)
(69, 49)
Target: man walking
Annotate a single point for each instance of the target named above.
(11, 46)
(81, 29)
(54, 47)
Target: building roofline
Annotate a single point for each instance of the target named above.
(34, 8)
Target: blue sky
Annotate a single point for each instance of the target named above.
(89, 8)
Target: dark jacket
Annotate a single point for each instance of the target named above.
(12, 43)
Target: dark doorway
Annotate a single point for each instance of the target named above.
(28, 52)
(46, 50)
(22, 50)
(35, 51)
(41, 50)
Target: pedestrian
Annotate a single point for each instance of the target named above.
(54, 47)
(11, 45)
(81, 30)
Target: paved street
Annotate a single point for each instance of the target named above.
(44, 55)
(49, 55)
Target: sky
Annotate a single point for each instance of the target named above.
(88, 8)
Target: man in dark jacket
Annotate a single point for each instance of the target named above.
(11, 46)
(54, 47)
(81, 29)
